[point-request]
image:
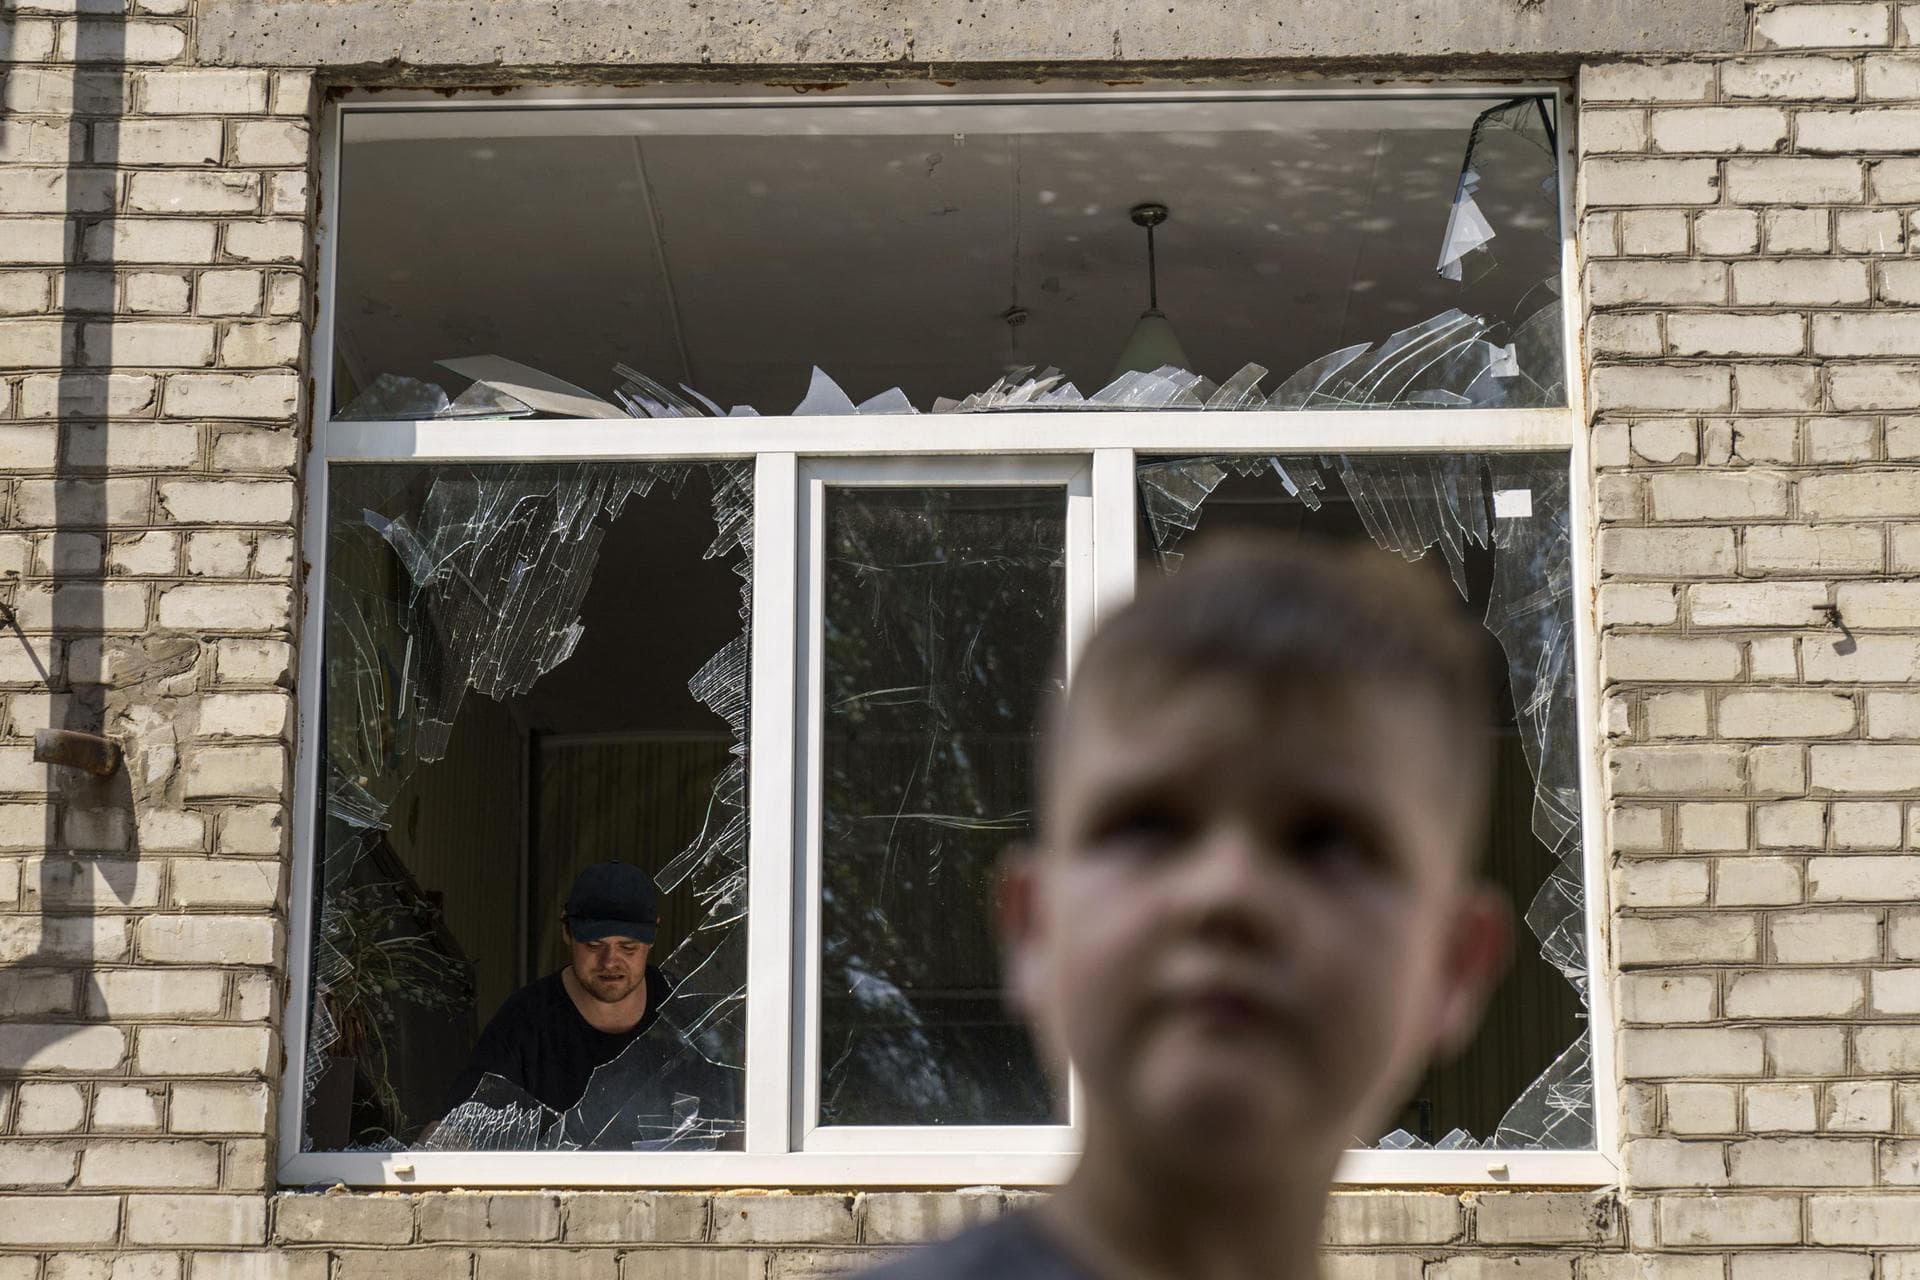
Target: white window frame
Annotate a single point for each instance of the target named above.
(792, 457)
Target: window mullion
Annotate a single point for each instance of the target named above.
(771, 760)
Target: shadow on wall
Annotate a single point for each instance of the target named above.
(90, 852)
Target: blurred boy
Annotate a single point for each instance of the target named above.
(1252, 917)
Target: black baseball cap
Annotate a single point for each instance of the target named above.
(613, 900)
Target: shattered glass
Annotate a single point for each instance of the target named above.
(1502, 525)
(452, 579)
(944, 623)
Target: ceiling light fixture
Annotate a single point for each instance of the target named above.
(1152, 342)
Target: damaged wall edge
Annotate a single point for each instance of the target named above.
(738, 33)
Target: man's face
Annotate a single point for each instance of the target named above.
(1251, 924)
(611, 969)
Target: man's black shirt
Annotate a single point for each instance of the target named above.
(540, 1042)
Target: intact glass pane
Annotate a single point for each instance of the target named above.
(945, 625)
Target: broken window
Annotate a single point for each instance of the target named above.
(1499, 527)
(529, 667)
(534, 665)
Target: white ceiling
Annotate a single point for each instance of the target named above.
(735, 249)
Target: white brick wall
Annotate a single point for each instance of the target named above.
(152, 303)
(1752, 354)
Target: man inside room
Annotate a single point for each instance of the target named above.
(551, 1037)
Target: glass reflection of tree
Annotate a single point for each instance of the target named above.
(944, 625)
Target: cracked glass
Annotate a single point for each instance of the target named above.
(529, 667)
(944, 622)
(1498, 526)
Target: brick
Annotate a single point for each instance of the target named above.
(1834, 548)
(1719, 129)
(1789, 994)
(1895, 991)
(120, 395)
(1660, 388)
(1687, 939)
(165, 241)
(219, 553)
(1784, 713)
(1871, 658)
(1626, 284)
(1640, 181)
(121, 41)
(196, 1219)
(1826, 1265)
(342, 1219)
(1867, 334)
(802, 1219)
(221, 882)
(148, 1163)
(38, 1165)
(184, 191)
(256, 345)
(1725, 495)
(409, 1264)
(1660, 658)
(1692, 1221)
(51, 1108)
(636, 1218)
(218, 1108)
(1735, 334)
(1874, 386)
(226, 607)
(1726, 231)
(201, 939)
(238, 292)
(1864, 1106)
(1851, 132)
(1894, 181)
(1667, 553)
(1870, 231)
(1535, 1217)
(1798, 230)
(1702, 1108)
(1824, 937)
(58, 1221)
(1857, 767)
(122, 994)
(1665, 1162)
(1612, 131)
(1862, 1219)
(153, 142)
(1822, 26)
(1664, 997)
(1678, 771)
(1691, 1051)
(1800, 282)
(1893, 715)
(1863, 878)
(231, 395)
(305, 1265)
(908, 1217)
(1866, 826)
(53, 1047)
(283, 240)
(270, 142)
(201, 1051)
(1859, 492)
(1759, 388)
(201, 92)
(1789, 79)
(544, 1264)
(1622, 81)
(502, 1217)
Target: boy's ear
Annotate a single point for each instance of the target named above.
(1478, 950)
(1017, 911)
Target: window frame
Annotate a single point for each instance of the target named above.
(792, 456)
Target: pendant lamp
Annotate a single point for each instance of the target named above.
(1152, 342)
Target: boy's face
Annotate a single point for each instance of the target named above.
(1252, 924)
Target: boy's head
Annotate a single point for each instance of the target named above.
(1253, 916)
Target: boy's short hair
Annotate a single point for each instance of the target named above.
(1279, 614)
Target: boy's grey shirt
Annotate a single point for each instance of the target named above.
(1009, 1248)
